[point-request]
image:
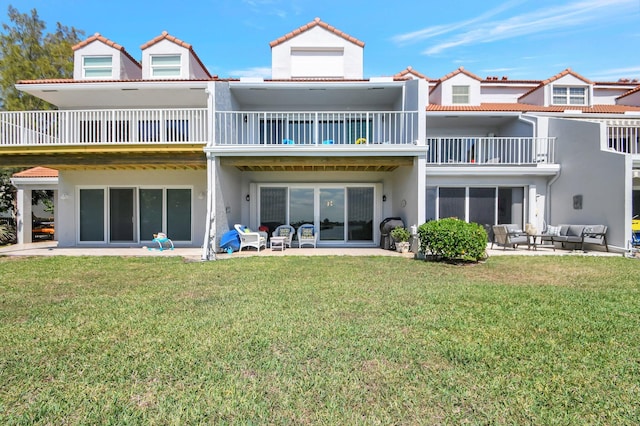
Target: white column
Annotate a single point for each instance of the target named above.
(23, 216)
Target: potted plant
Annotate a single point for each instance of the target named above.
(401, 237)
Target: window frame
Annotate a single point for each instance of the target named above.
(460, 98)
(86, 67)
(567, 95)
(165, 66)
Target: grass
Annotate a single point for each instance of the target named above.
(319, 340)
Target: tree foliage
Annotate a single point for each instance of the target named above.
(27, 52)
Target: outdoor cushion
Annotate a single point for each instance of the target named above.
(554, 231)
(284, 232)
(307, 232)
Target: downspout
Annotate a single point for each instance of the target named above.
(208, 252)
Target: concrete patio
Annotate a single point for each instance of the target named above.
(50, 248)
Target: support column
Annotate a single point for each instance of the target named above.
(24, 223)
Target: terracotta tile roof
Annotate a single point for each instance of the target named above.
(98, 37)
(410, 70)
(316, 22)
(630, 92)
(72, 81)
(460, 70)
(519, 107)
(561, 74)
(166, 36)
(37, 172)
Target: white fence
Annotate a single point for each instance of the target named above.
(490, 150)
(24, 128)
(624, 139)
(315, 128)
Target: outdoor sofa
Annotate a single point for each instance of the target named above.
(576, 235)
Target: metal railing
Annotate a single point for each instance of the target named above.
(490, 150)
(624, 139)
(315, 128)
(28, 128)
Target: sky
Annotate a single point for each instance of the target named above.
(520, 39)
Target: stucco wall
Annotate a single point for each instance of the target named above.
(602, 178)
(69, 181)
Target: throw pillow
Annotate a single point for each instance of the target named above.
(553, 231)
(247, 230)
(284, 232)
(307, 232)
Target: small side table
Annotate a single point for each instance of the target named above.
(278, 243)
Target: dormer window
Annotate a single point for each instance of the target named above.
(165, 66)
(459, 94)
(97, 66)
(567, 95)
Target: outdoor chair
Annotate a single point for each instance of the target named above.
(286, 231)
(249, 238)
(509, 235)
(307, 235)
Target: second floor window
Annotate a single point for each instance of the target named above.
(460, 94)
(96, 66)
(566, 95)
(165, 66)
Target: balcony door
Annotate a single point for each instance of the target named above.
(121, 215)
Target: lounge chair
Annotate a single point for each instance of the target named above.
(307, 235)
(250, 238)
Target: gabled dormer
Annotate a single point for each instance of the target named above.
(166, 57)
(457, 88)
(317, 50)
(631, 98)
(410, 74)
(98, 58)
(563, 89)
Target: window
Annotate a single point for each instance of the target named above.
(165, 66)
(96, 66)
(565, 95)
(460, 94)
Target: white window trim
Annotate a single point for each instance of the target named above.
(460, 96)
(567, 95)
(96, 67)
(153, 67)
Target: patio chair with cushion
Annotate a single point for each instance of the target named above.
(249, 238)
(286, 231)
(307, 235)
(509, 235)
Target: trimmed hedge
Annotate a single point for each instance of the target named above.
(453, 239)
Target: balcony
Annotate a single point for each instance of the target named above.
(315, 128)
(89, 127)
(490, 150)
(624, 139)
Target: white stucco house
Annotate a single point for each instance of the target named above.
(162, 145)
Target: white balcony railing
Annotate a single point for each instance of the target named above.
(490, 150)
(28, 128)
(624, 139)
(315, 128)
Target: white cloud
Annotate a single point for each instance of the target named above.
(264, 72)
(542, 21)
(614, 74)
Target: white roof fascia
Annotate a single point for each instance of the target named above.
(57, 87)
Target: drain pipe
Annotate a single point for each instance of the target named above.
(209, 253)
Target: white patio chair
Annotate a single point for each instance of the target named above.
(250, 238)
(284, 231)
(307, 235)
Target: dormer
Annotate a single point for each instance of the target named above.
(564, 89)
(410, 73)
(98, 58)
(168, 58)
(317, 50)
(631, 98)
(459, 88)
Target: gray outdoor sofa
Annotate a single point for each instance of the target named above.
(578, 235)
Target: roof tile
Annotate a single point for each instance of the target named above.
(37, 172)
(308, 26)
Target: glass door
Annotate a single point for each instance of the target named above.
(121, 215)
(331, 214)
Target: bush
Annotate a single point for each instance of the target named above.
(400, 234)
(453, 239)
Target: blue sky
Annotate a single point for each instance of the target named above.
(521, 39)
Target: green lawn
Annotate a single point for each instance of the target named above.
(319, 340)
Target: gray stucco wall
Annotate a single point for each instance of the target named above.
(600, 177)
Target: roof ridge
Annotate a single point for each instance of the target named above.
(308, 26)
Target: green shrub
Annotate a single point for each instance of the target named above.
(453, 239)
(400, 234)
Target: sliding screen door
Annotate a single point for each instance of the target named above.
(92, 215)
(121, 215)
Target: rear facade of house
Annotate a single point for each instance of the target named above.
(163, 146)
